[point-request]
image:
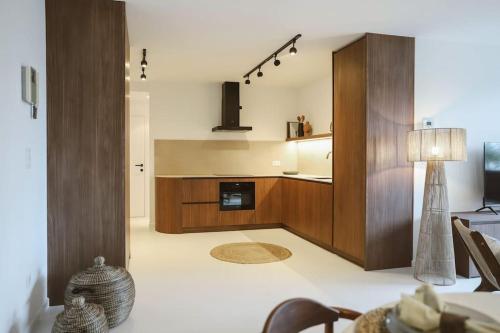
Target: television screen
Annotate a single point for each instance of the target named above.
(491, 173)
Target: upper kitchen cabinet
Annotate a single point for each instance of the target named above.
(373, 88)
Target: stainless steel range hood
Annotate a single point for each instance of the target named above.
(231, 109)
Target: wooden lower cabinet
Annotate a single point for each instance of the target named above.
(236, 217)
(325, 216)
(168, 205)
(290, 203)
(307, 209)
(268, 200)
(200, 215)
(200, 190)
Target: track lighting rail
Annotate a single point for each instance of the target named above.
(273, 55)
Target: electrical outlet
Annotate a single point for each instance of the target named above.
(427, 123)
(276, 163)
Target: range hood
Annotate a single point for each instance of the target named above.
(231, 109)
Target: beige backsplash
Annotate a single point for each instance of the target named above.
(198, 157)
(311, 157)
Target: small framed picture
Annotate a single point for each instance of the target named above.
(292, 129)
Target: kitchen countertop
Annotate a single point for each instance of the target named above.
(314, 178)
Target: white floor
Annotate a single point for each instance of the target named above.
(180, 288)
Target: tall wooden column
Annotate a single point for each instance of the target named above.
(86, 137)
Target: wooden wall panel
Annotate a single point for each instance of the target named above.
(349, 172)
(373, 111)
(389, 186)
(86, 141)
(127, 140)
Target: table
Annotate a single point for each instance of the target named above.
(487, 303)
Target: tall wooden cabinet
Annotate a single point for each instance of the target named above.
(373, 88)
(87, 141)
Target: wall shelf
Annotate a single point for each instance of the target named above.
(312, 137)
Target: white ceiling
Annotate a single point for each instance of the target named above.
(220, 40)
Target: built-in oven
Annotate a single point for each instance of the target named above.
(237, 195)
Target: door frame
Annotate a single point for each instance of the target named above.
(143, 97)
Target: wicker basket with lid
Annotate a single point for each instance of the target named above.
(112, 287)
(81, 317)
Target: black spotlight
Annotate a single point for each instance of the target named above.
(293, 50)
(276, 61)
(247, 81)
(144, 63)
(259, 73)
(143, 77)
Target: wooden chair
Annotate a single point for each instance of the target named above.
(298, 314)
(482, 256)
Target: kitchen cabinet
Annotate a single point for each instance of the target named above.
(373, 84)
(236, 217)
(192, 204)
(168, 207)
(200, 190)
(200, 215)
(307, 209)
(268, 200)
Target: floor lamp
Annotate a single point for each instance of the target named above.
(435, 261)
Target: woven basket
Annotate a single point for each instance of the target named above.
(111, 287)
(81, 317)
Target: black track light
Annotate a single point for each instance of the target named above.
(259, 73)
(274, 55)
(276, 61)
(144, 63)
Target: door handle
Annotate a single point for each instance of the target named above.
(140, 165)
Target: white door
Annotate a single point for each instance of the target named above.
(137, 166)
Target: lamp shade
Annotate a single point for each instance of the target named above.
(437, 144)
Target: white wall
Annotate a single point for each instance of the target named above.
(459, 86)
(314, 100)
(189, 111)
(23, 213)
(139, 107)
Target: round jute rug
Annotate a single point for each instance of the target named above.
(250, 253)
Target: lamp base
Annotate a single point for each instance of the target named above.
(435, 261)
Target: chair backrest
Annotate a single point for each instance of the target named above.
(298, 314)
(479, 253)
